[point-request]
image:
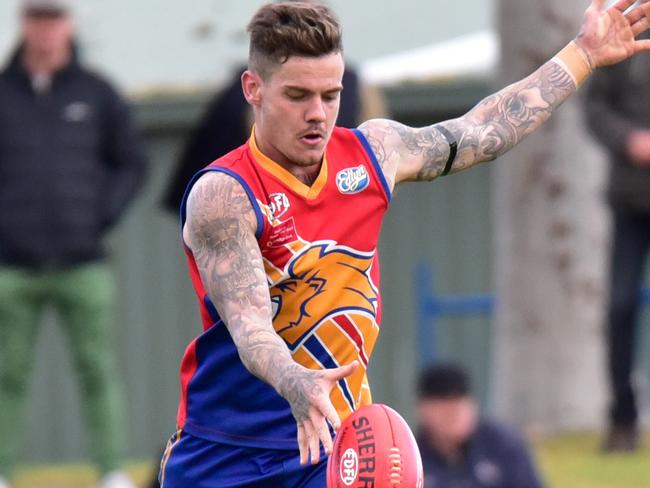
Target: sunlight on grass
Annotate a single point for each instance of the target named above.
(574, 461)
(567, 461)
(75, 476)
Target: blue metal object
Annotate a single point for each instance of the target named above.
(432, 307)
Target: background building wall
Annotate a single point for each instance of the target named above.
(148, 44)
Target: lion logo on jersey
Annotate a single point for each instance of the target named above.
(323, 280)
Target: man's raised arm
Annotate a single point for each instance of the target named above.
(220, 231)
(504, 119)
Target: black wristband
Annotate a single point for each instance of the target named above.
(453, 148)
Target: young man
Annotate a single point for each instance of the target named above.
(281, 239)
(459, 447)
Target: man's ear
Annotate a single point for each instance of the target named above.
(251, 83)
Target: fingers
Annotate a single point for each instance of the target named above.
(303, 444)
(342, 372)
(639, 13)
(330, 413)
(598, 4)
(641, 26)
(643, 45)
(639, 18)
(314, 430)
(313, 441)
(309, 439)
(323, 432)
(621, 5)
(635, 15)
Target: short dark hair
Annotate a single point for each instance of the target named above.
(281, 30)
(443, 381)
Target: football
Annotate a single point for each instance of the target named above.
(375, 448)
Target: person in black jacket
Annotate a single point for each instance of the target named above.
(70, 162)
(618, 113)
(459, 448)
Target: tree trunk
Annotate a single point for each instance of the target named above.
(551, 245)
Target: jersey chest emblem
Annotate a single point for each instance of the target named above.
(352, 180)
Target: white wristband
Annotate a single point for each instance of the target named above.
(575, 62)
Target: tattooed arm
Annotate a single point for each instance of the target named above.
(490, 129)
(504, 119)
(220, 231)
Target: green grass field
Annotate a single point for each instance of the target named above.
(573, 461)
(74, 476)
(567, 461)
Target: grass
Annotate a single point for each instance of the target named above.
(574, 461)
(566, 461)
(70, 476)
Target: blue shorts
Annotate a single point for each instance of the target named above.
(197, 463)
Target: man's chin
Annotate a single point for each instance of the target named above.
(309, 158)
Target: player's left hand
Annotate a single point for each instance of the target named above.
(609, 36)
(312, 408)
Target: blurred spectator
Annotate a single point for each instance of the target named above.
(461, 450)
(70, 162)
(228, 120)
(224, 126)
(618, 113)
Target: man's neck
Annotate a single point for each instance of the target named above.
(45, 64)
(451, 452)
(308, 178)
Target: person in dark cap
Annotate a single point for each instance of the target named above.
(459, 447)
(70, 162)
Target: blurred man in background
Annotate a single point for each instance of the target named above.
(618, 113)
(70, 162)
(458, 447)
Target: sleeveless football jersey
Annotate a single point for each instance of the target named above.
(319, 246)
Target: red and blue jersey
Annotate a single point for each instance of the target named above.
(319, 246)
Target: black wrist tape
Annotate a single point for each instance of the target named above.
(453, 148)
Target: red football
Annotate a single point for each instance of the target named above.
(374, 448)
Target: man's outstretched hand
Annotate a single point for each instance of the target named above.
(308, 393)
(609, 36)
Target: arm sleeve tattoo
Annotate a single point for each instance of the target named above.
(220, 230)
(491, 128)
